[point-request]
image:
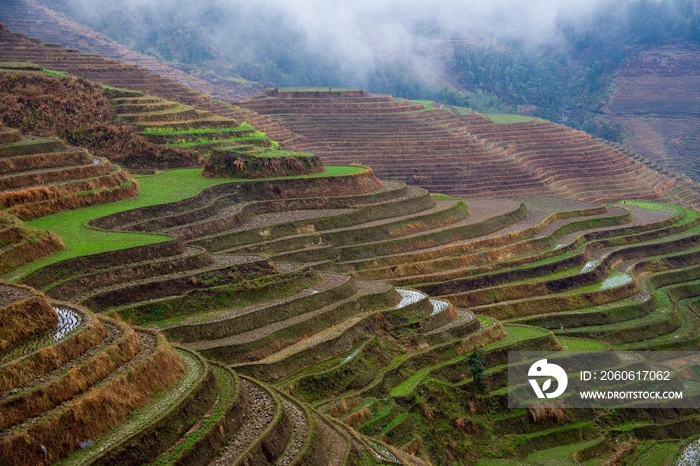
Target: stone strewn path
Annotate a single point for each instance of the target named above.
(337, 444)
(300, 431)
(261, 412)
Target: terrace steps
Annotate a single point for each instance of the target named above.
(27, 163)
(17, 47)
(631, 321)
(524, 235)
(211, 202)
(335, 339)
(222, 266)
(338, 354)
(415, 228)
(383, 228)
(78, 287)
(279, 430)
(349, 211)
(532, 151)
(209, 414)
(510, 267)
(279, 364)
(79, 332)
(32, 18)
(193, 420)
(464, 324)
(38, 176)
(53, 389)
(669, 326)
(216, 263)
(221, 322)
(592, 272)
(98, 173)
(49, 378)
(278, 331)
(21, 244)
(145, 350)
(41, 176)
(148, 112)
(384, 381)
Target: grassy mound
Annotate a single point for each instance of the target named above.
(24, 313)
(249, 162)
(21, 244)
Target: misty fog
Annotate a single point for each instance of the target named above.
(357, 32)
(556, 55)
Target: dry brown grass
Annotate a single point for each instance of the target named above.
(239, 163)
(78, 112)
(26, 180)
(414, 446)
(26, 318)
(74, 201)
(15, 410)
(466, 426)
(545, 413)
(410, 229)
(50, 358)
(621, 450)
(50, 192)
(92, 415)
(43, 160)
(20, 244)
(342, 407)
(427, 411)
(43, 244)
(358, 417)
(380, 322)
(450, 312)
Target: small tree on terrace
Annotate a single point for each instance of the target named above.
(476, 366)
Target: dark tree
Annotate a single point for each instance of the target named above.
(476, 366)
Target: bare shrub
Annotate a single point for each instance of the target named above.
(358, 417)
(545, 413)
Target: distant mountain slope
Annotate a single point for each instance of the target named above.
(35, 20)
(659, 82)
(656, 98)
(463, 155)
(17, 47)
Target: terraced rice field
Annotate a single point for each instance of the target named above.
(359, 349)
(463, 155)
(145, 76)
(655, 100)
(330, 319)
(41, 176)
(328, 340)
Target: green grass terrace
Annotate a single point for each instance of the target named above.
(165, 187)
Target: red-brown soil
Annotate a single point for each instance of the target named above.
(464, 155)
